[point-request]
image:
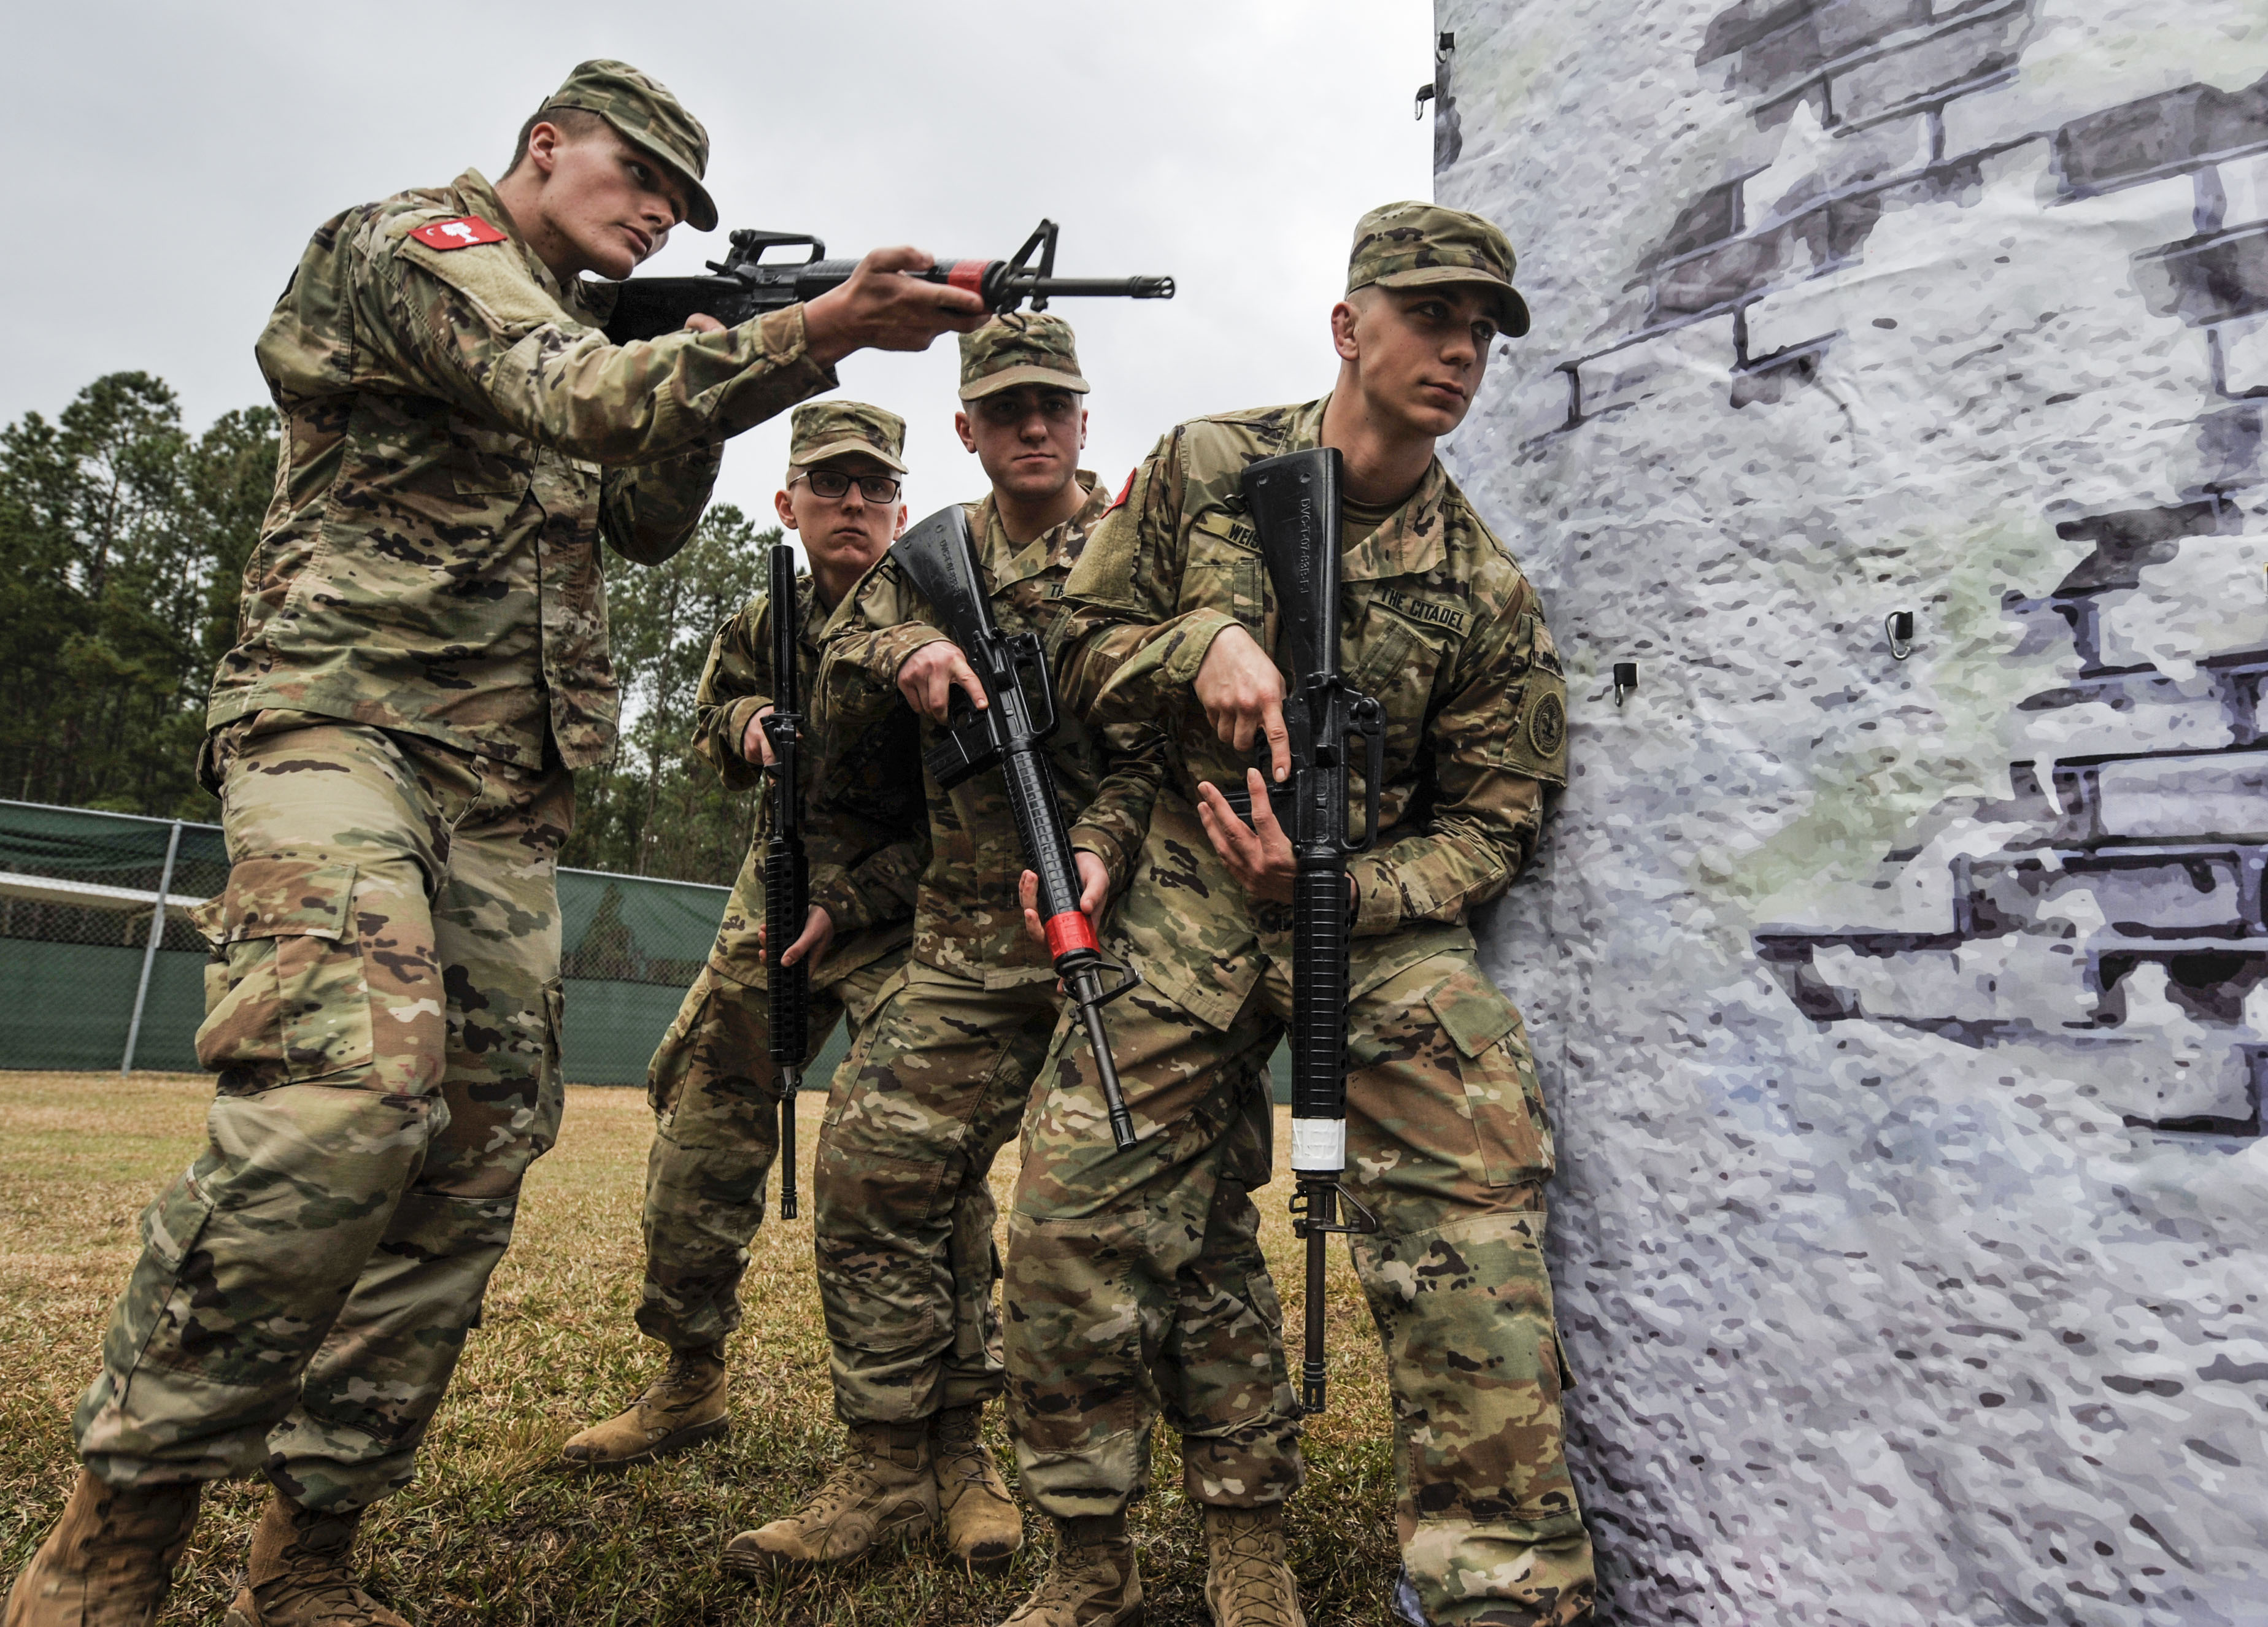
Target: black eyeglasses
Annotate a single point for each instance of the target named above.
(833, 485)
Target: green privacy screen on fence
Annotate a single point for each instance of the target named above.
(78, 890)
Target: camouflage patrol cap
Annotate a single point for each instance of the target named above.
(646, 115)
(1413, 245)
(1019, 347)
(823, 430)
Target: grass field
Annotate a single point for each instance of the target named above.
(489, 1534)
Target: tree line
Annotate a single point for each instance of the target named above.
(123, 541)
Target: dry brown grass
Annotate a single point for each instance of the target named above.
(488, 1534)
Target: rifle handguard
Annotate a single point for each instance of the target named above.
(787, 880)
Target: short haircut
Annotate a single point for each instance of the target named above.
(572, 122)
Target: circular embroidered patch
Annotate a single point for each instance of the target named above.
(1547, 726)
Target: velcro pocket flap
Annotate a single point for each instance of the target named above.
(279, 898)
(1472, 1010)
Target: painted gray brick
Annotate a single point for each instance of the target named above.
(2209, 280)
(2174, 130)
(1824, 35)
(2185, 798)
(1957, 56)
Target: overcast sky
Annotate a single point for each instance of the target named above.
(174, 158)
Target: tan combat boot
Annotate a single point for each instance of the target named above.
(109, 1559)
(683, 1408)
(1246, 1582)
(983, 1525)
(882, 1488)
(296, 1575)
(1093, 1581)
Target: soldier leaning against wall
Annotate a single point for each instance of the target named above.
(715, 1089)
(421, 665)
(1448, 1142)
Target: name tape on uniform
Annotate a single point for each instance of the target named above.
(462, 232)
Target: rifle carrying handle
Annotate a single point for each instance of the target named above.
(1366, 718)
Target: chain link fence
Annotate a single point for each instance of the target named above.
(85, 984)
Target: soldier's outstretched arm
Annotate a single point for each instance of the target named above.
(474, 326)
(1499, 741)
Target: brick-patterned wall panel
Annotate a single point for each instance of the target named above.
(1905, 1021)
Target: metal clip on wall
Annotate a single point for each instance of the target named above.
(1625, 681)
(1442, 46)
(1899, 624)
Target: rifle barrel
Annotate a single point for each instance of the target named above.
(1086, 990)
(1095, 287)
(1322, 1214)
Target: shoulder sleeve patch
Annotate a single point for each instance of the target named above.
(1124, 492)
(500, 284)
(465, 231)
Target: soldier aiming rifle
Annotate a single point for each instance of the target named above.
(421, 666)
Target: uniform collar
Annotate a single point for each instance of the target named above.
(1410, 541)
(479, 198)
(1015, 564)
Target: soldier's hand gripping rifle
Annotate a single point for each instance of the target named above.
(787, 880)
(938, 559)
(1293, 501)
(746, 285)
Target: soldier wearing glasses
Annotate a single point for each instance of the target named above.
(714, 1087)
(903, 1220)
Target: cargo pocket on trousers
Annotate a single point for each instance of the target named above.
(554, 1030)
(673, 1058)
(1502, 1099)
(288, 999)
(171, 1226)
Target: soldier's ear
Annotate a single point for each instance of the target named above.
(1343, 317)
(899, 529)
(786, 509)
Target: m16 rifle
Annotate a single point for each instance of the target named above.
(746, 285)
(939, 560)
(787, 880)
(1293, 501)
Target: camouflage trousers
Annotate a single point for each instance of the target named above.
(383, 1012)
(1447, 1145)
(904, 1226)
(716, 1092)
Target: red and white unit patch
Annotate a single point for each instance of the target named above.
(462, 232)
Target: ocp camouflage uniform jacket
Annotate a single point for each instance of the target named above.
(1436, 622)
(865, 835)
(966, 919)
(458, 435)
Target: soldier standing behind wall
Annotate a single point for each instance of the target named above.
(1447, 1142)
(904, 1213)
(421, 665)
(714, 1087)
